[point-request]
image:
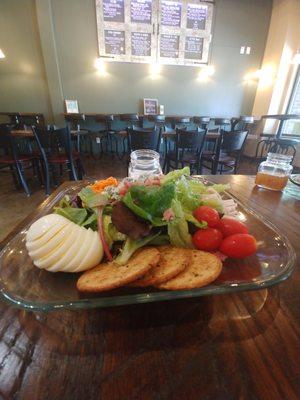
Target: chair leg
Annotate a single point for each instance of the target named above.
(22, 178)
(15, 177)
(47, 178)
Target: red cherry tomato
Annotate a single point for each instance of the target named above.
(239, 245)
(229, 226)
(207, 239)
(208, 214)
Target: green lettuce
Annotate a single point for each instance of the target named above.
(150, 202)
(91, 199)
(178, 229)
(174, 175)
(110, 231)
(131, 246)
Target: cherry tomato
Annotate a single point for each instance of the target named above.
(229, 226)
(207, 239)
(239, 245)
(208, 214)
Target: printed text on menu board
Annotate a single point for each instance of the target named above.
(141, 44)
(113, 10)
(171, 13)
(196, 16)
(141, 11)
(114, 42)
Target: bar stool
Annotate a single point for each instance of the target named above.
(241, 123)
(74, 121)
(222, 123)
(179, 122)
(103, 135)
(201, 122)
(121, 135)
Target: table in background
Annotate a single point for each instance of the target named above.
(244, 345)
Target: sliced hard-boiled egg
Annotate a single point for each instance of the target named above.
(56, 244)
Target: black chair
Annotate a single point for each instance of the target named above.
(188, 150)
(262, 149)
(284, 146)
(78, 135)
(121, 135)
(144, 139)
(12, 158)
(55, 149)
(229, 149)
(102, 137)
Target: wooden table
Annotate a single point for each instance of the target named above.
(241, 346)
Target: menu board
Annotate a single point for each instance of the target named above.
(196, 16)
(155, 31)
(114, 42)
(141, 44)
(141, 11)
(113, 10)
(169, 46)
(171, 13)
(193, 48)
(150, 106)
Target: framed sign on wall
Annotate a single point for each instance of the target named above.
(150, 106)
(175, 32)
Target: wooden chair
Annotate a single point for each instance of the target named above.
(102, 136)
(229, 149)
(188, 150)
(144, 139)
(17, 162)
(55, 149)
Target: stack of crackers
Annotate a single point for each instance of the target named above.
(165, 267)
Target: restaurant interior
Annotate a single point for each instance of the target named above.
(86, 86)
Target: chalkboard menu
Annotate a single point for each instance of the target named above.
(169, 46)
(141, 11)
(196, 16)
(171, 13)
(114, 42)
(141, 44)
(148, 31)
(113, 10)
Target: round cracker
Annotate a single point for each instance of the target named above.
(173, 260)
(109, 275)
(203, 269)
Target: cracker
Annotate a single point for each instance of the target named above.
(107, 276)
(203, 269)
(173, 260)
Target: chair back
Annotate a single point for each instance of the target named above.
(232, 141)
(43, 139)
(9, 144)
(284, 146)
(144, 139)
(201, 121)
(190, 140)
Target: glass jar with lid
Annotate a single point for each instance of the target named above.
(274, 172)
(144, 163)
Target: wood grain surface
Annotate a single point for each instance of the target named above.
(240, 346)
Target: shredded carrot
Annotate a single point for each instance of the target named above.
(99, 186)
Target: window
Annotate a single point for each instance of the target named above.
(292, 127)
(175, 32)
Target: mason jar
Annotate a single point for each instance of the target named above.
(144, 163)
(274, 173)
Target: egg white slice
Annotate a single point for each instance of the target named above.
(65, 264)
(42, 226)
(48, 261)
(46, 248)
(36, 244)
(79, 253)
(93, 255)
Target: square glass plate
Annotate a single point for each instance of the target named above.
(25, 286)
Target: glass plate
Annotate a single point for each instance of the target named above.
(28, 287)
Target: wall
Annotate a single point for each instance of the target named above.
(23, 86)
(237, 22)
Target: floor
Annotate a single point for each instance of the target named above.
(15, 205)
